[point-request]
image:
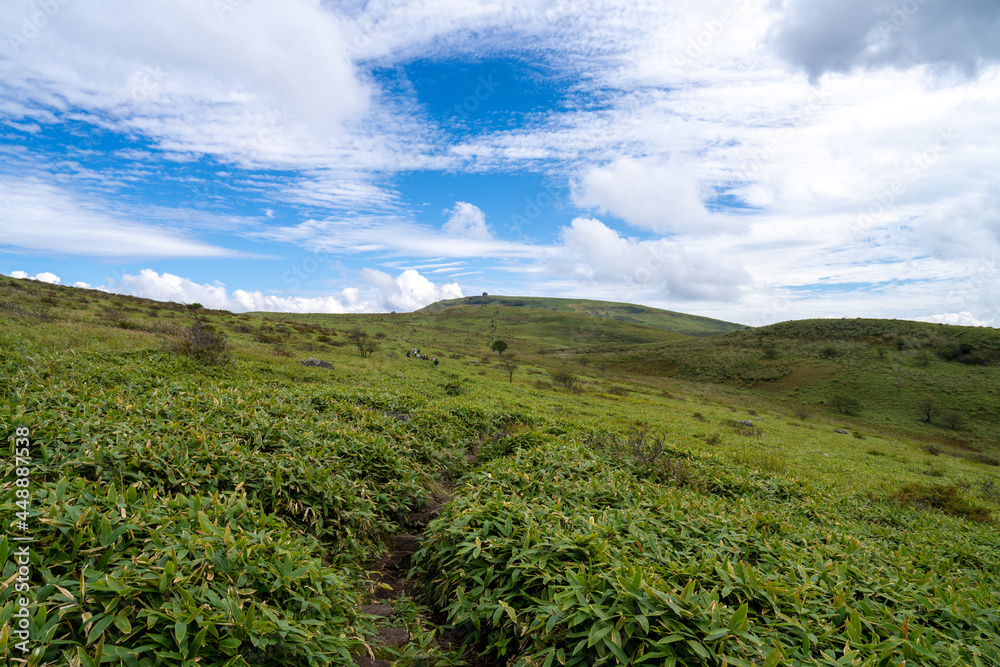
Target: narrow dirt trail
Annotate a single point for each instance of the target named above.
(393, 582)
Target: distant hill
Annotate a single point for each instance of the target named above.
(682, 323)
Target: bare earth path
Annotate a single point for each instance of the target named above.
(392, 570)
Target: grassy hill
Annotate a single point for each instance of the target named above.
(188, 512)
(667, 320)
(888, 366)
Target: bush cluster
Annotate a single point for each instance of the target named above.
(559, 555)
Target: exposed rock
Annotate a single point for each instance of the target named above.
(365, 661)
(841, 430)
(744, 422)
(376, 610)
(400, 416)
(393, 637)
(312, 361)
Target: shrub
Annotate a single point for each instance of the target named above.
(748, 429)
(204, 344)
(564, 377)
(649, 455)
(985, 459)
(454, 386)
(944, 498)
(829, 352)
(989, 490)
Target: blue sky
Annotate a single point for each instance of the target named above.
(749, 160)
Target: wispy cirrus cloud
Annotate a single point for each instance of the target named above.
(39, 217)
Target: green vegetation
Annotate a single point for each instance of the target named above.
(191, 512)
(691, 325)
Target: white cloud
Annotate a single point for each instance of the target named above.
(406, 292)
(962, 319)
(661, 196)
(592, 251)
(44, 277)
(45, 218)
(410, 290)
(467, 220)
(155, 62)
(393, 236)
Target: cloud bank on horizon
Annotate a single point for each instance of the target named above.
(749, 160)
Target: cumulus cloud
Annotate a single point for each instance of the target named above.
(662, 196)
(406, 292)
(963, 319)
(409, 290)
(840, 35)
(467, 220)
(592, 251)
(44, 277)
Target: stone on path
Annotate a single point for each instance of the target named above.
(376, 610)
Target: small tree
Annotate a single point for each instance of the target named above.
(194, 308)
(499, 346)
(509, 364)
(954, 420)
(366, 344)
(927, 405)
(564, 376)
(845, 404)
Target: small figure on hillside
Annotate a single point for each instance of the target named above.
(435, 362)
(407, 355)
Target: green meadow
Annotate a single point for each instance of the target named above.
(626, 485)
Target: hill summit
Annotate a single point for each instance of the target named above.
(668, 320)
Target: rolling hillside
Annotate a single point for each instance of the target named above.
(195, 494)
(692, 325)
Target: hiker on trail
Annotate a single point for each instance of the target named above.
(435, 362)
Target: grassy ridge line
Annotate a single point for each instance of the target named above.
(886, 365)
(559, 554)
(693, 325)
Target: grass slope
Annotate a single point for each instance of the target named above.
(887, 366)
(187, 514)
(692, 325)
